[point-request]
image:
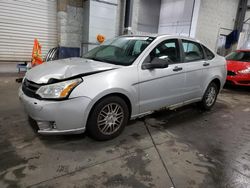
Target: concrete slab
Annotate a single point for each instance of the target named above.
(8, 67)
(186, 146)
(30, 158)
(142, 169)
(208, 149)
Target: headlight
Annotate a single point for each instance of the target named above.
(245, 71)
(58, 90)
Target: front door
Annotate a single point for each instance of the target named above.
(162, 87)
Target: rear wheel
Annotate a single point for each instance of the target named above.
(210, 96)
(108, 118)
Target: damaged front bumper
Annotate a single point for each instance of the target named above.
(57, 117)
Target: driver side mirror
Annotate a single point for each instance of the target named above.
(156, 63)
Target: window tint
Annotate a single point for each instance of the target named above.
(192, 51)
(209, 54)
(167, 50)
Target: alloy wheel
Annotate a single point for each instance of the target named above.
(110, 118)
(210, 96)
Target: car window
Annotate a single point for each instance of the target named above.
(240, 56)
(168, 49)
(139, 47)
(129, 49)
(209, 54)
(119, 51)
(109, 51)
(192, 51)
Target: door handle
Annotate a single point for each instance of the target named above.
(177, 69)
(206, 64)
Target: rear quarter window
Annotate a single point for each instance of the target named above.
(208, 53)
(192, 51)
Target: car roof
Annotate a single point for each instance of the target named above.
(163, 35)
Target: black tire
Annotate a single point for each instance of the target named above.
(100, 113)
(207, 104)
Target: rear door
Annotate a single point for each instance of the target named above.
(209, 67)
(194, 63)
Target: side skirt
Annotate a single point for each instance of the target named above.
(171, 107)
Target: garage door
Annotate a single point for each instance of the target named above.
(23, 20)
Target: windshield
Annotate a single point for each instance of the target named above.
(119, 51)
(239, 56)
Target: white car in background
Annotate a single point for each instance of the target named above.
(122, 79)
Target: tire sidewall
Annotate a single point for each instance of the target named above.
(92, 127)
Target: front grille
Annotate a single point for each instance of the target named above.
(231, 73)
(29, 88)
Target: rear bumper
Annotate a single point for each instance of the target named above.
(241, 80)
(57, 117)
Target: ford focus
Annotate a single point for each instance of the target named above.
(122, 79)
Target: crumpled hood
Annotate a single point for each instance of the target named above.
(65, 68)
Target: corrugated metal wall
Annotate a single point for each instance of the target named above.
(23, 20)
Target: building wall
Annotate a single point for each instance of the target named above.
(163, 17)
(120, 17)
(100, 17)
(247, 15)
(194, 20)
(135, 15)
(70, 23)
(103, 22)
(80, 21)
(148, 16)
(85, 32)
(176, 17)
(214, 16)
(244, 39)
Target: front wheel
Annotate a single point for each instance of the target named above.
(108, 118)
(210, 96)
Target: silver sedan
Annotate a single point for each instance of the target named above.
(122, 79)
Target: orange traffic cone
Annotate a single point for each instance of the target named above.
(36, 54)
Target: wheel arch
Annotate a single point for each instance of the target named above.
(102, 96)
(216, 80)
(121, 95)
